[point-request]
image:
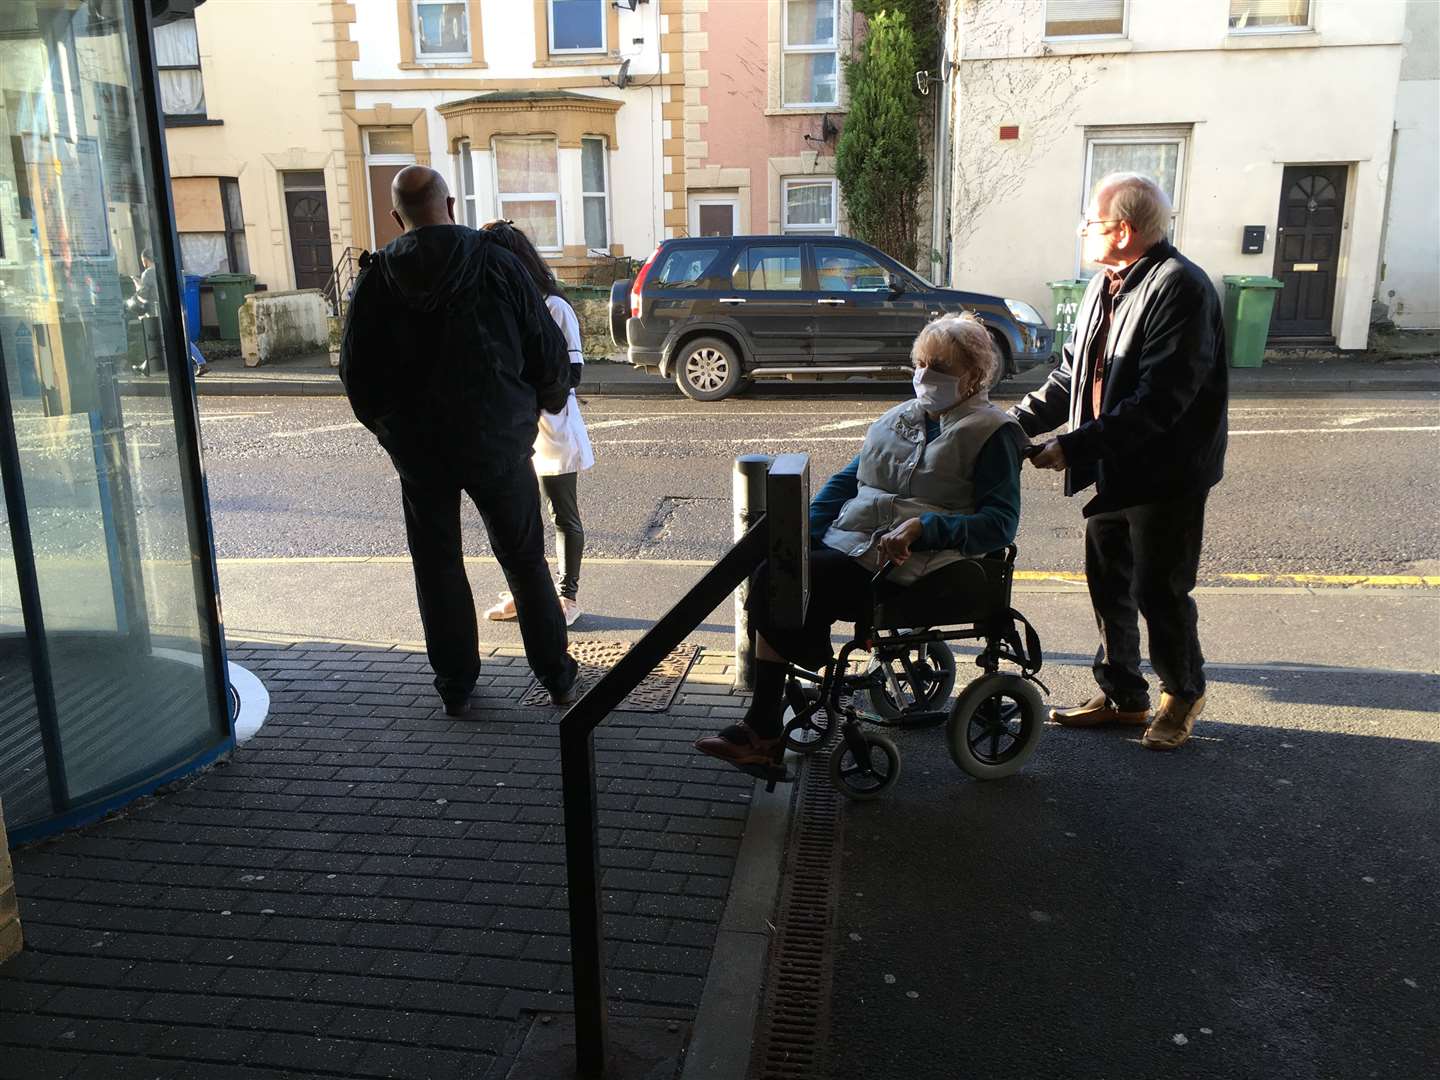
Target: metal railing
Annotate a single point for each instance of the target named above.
(342, 281)
(577, 776)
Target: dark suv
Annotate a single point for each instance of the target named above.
(715, 313)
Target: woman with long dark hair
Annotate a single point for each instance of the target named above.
(562, 448)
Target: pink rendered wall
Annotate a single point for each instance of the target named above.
(738, 133)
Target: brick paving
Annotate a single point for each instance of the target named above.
(368, 888)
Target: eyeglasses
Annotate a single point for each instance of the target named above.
(1085, 223)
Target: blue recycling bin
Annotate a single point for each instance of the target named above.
(190, 301)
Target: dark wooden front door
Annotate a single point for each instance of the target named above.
(309, 237)
(1307, 249)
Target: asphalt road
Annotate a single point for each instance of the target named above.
(1259, 905)
(1314, 485)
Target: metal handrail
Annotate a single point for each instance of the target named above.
(577, 779)
(342, 280)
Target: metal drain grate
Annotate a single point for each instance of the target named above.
(794, 1035)
(654, 694)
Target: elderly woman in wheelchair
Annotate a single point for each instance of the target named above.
(902, 538)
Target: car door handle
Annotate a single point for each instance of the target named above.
(732, 300)
(832, 301)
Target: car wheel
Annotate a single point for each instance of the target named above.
(708, 369)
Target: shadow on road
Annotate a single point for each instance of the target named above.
(1258, 904)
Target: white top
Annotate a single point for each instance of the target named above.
(562, 444)
(565, 318)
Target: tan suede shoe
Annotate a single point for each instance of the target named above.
(1174, 721)
(1097, 711)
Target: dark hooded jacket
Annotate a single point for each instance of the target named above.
(449, 353)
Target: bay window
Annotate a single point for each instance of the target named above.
(594, 193)
(527, 176)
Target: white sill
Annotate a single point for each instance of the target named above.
(803, 110)
(1090, 43)
(1285, 38)
(1246, 31)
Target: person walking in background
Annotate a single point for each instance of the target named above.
(562, 447)
(1144, 387)
(146, 304)
(448, 356)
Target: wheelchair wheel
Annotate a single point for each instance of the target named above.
(995, 725)
(925, 676)
(811, 733)
(870, 775)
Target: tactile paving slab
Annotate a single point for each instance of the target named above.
(654, 694)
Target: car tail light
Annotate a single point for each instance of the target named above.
(640, 281)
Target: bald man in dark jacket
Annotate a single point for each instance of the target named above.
(448, 355)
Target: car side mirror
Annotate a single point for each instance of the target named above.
(895, 283)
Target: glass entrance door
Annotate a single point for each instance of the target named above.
(108, 611)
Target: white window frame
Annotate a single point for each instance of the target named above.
(197, 67)
(1289, 28)
(697, 201)
(501, 197)
(1124, 27)
(604, 195)
(469, 196)
(1137, 137)
(787, 50)
(439, 58)
(604, 31)
(786, 229)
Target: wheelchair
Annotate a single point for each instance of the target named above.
(993, 725)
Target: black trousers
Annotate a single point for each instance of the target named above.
(562, 495)
(1143, 560)
(838, 591)
(509, 504)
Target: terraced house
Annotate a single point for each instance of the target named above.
(600, 126)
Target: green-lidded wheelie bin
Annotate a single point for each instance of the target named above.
(230, 293)
(1067, 296)
(1249, 302)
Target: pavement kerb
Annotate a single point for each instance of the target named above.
(720, 1040)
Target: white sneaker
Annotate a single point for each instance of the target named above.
(571, 610)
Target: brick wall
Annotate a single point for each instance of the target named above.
(10, 940)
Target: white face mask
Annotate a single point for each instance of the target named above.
(935, 390)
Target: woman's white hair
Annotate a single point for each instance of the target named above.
(960, 345)
(1137, 200)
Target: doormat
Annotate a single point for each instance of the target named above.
(655, 692)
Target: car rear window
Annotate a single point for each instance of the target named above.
(686, 265)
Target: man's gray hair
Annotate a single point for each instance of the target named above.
(1139, 201)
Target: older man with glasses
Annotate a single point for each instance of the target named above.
(1143, 388)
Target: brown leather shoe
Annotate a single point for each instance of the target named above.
(1097, 711)
(1174, 721)
(738, 745)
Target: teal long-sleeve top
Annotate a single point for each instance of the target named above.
(997, 499)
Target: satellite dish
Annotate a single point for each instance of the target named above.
(622, 77)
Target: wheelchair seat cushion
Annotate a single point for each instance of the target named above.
(968, 591)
